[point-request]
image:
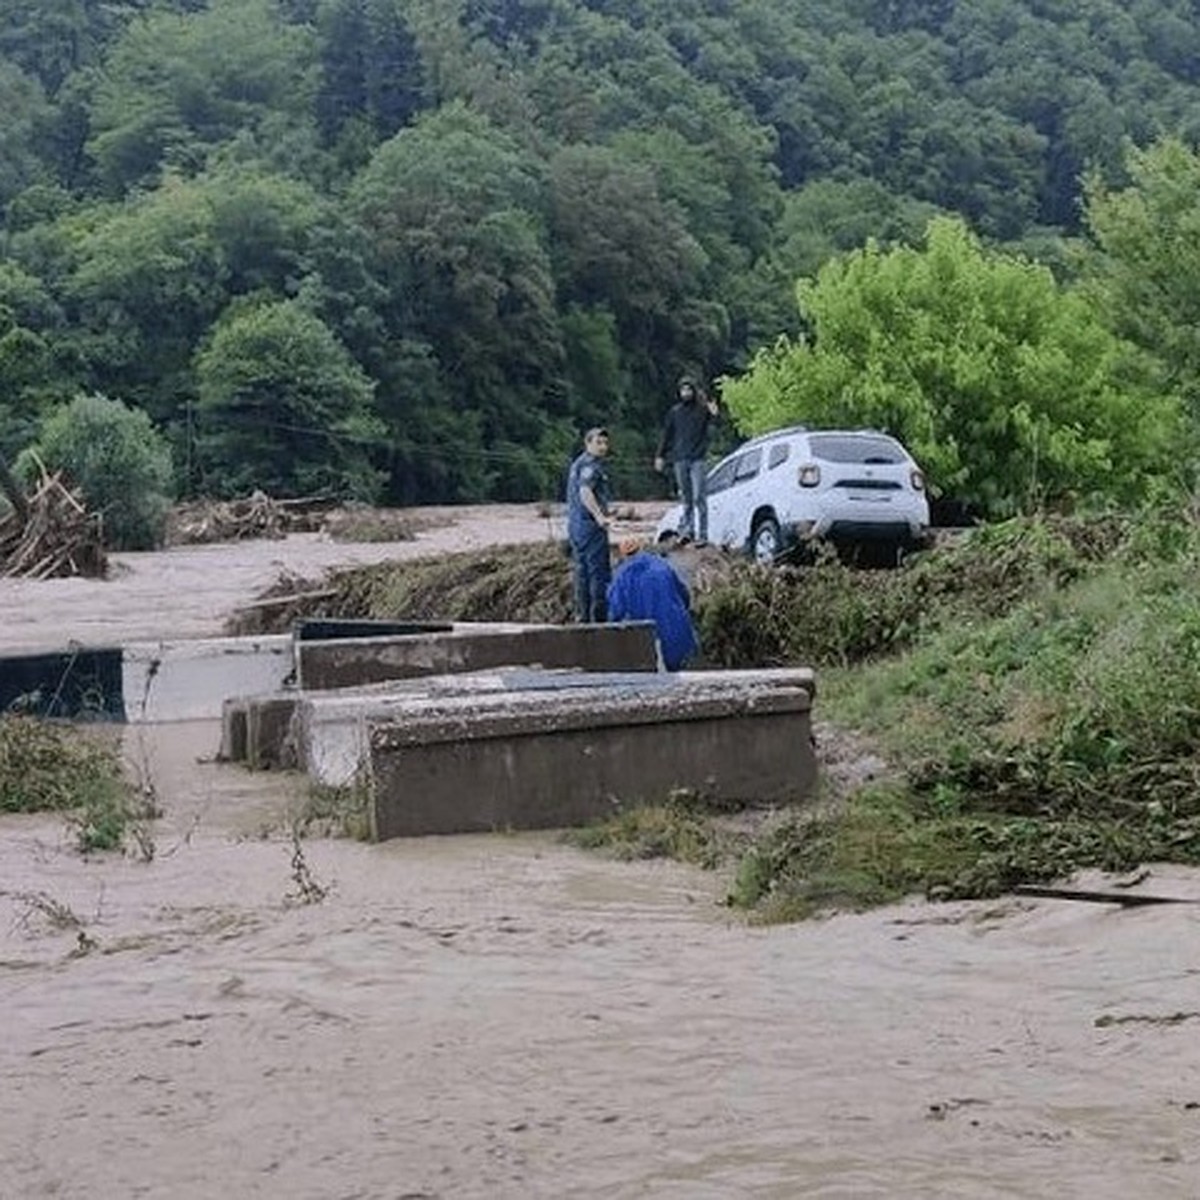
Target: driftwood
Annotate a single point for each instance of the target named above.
(55, 537)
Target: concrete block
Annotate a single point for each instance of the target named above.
(356, 662)
(269, 740)
(84, 683)
(234, 719)
(331, 729)
(533, 760)
(524, 748)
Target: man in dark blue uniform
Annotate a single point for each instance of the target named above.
(589, 500)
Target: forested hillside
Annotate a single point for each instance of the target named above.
(409, 248)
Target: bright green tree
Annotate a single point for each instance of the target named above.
(1009, 390)
(120, 462)
(284, 408)
(1148, 266)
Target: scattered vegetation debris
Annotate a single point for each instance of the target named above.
(336, 812)
(44, 908)
(199, 522)
(49, 766)
(363, 523)
(309, 890)
(258, 515)
(530, 584)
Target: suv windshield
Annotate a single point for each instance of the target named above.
(839, 448)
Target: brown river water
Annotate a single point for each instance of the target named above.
(508, 1017)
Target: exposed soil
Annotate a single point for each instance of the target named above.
(508, 1016)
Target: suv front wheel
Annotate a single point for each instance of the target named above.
(766, 542)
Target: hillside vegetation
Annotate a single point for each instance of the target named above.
(407, 249)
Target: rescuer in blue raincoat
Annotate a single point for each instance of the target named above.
(646, 587)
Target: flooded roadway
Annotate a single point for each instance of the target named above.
(506, 1016)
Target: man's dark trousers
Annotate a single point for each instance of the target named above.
(592, 562)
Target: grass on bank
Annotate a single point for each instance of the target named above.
(1036, 686)
(1057, 731)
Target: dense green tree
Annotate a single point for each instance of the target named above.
(519, 216)
(24, 115)
(1009, 390)
(154, 274)
(29, 382)
(820, 220)
(1148, 265)
(149, 280)
(453, 206)
(174, 88)
(371, 69)
(50, 39)
(284, 408)
(119, 461)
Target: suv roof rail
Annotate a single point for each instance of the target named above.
(774, 433)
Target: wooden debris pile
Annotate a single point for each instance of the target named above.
(255, 516)
(56, 537)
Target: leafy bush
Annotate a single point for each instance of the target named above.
(49, 768)
(119, 460)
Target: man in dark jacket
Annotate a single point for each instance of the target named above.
(684, 444)
(589, 500)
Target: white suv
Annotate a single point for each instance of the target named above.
(782, 490)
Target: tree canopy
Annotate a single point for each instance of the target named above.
(1010, 391)
(509, 219)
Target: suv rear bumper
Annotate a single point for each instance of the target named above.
(873, 531)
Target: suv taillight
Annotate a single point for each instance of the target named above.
(810, 475)
(918, 481)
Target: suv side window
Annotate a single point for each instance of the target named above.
(720, 477)
(746, 466)
(779, 454)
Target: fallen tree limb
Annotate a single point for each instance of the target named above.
(1092, 896)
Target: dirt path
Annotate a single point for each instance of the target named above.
(508, 1017)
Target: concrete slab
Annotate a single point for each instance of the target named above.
(345, 662)
(80, 683)
(329, 732)
(190, 680)
(526, 748)
(558, 757)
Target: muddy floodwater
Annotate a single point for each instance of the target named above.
(507, 1017)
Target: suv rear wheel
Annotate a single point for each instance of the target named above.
(766, 542)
